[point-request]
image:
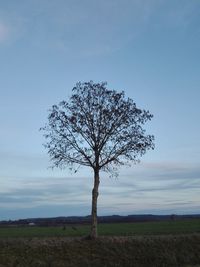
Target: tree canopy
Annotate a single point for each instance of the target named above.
(96, 127)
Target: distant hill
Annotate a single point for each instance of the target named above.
(56, 221)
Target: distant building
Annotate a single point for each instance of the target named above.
(31, 224)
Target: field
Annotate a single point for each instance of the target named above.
(109, 229)
(156, 244)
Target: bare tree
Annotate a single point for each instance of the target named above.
(98, 128)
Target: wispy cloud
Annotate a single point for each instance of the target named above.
(93, 28)
(87, 28)
(40, 191)
(4, 32)
(151, 187)
(184, 15)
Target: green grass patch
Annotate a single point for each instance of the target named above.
(151, 228)
(35, 231)
(109, 229)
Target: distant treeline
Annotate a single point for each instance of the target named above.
(60, 221)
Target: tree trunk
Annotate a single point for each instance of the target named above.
(95, 193)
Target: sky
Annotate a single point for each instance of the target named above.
(149, 49)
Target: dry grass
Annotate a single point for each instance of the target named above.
(155, 251)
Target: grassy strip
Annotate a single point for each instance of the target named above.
(151, 228)
(156, 251)
(117, 229)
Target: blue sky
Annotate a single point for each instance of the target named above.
(149, 49)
